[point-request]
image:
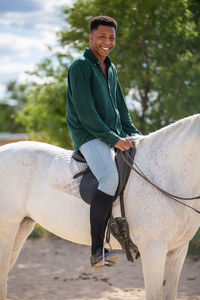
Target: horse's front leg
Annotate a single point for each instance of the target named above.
(7, 237)
(153, 255)
(174, 263)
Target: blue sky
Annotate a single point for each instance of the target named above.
(27, 27)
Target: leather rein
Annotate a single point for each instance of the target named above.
(171, 196)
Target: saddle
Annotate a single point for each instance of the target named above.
(89, 183)
(117, 226)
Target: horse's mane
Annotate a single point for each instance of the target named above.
(182, 126)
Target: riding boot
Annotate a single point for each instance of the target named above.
(100, 211)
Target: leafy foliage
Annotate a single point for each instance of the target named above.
(7, 123)
(45, 108)
(14, 102)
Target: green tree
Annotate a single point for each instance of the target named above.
(7, 123)
(13, 102)
(45, 102)
(156, 54)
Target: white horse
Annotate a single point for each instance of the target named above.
(161, 228)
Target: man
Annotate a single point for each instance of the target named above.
(99, 121)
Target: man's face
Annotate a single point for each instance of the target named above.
(102, 41)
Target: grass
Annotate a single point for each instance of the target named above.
(39, 232)
(194, 247)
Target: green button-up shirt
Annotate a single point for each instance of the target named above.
(95, 105)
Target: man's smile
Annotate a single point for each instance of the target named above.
(106, 49)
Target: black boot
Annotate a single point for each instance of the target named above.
(101, 259)
(100, 211)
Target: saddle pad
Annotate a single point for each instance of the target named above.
(64, 167)
(61, 172)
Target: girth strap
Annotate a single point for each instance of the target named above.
(125, 229)
(122, 205)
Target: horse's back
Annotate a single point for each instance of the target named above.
(29, 146)
(27, 153)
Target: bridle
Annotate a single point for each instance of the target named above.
(137, 170)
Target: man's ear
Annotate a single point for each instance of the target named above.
(90, 37)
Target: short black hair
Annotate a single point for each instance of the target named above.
(102, 20)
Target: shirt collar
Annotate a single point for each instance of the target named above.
(90, 55)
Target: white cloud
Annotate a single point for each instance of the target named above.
(49, 13)
(15, 68)
(2, 90)
(50, 5)
(25, 35)
(20, 19)
(18, 45)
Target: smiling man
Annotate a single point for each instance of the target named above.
(99, 121)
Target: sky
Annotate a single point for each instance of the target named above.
(27, 27)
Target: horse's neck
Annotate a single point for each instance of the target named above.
(171, 158)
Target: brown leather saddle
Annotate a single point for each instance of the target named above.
(117, 226)
(89, 183)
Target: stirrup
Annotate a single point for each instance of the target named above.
(103, 251)
(109, 261)
(105, 258)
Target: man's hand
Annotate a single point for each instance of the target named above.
(124, 144)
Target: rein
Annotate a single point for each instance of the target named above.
(171, 196)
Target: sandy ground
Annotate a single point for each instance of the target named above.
(55, 269)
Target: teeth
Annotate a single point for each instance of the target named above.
(105, 48)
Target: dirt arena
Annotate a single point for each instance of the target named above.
(54, 269)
